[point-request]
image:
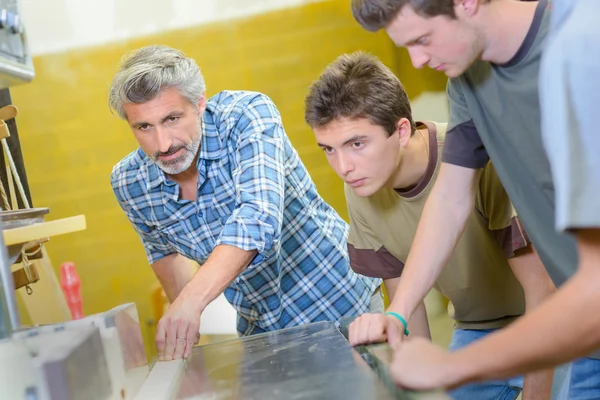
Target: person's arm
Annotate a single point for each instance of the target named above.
(569, 322)
(493, 203)
(564, 327)
(177, 331)
(447, 208)
(537, 286)
(418, 324)
(531, 274)
(369, 257)
(251, 233)
(443, 220)
(173, 272)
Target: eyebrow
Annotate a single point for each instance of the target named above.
(136, 125)
(355, 138)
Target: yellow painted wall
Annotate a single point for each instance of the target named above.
(70, 141)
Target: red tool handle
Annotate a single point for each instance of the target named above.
(71, 286)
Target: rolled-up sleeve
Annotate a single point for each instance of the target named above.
(463, 146)
(367, 254)
(259, 178)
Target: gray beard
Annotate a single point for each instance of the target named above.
(184, 161)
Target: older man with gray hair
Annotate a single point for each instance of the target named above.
(217, 181)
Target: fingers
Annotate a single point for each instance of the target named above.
(181, 336)
(401, 361)
(397, 368)
(160, 339)
(171, 339)
(419, 364)
(176, 334)
(368, 328)
(180, 344)
(191, 339)
(354, 332)
(376, 332)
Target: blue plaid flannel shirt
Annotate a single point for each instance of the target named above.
(253, 193)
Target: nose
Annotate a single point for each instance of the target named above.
(345, 164)
(418, 57)
(163, 139)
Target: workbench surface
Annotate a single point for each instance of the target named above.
(313, 361)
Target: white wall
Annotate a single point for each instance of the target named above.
(430, 106)
(58, 25)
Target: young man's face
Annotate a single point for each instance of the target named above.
(168, 129)
(361, 153)
(442, 43)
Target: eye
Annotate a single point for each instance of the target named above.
(422, 41)
(358, 145)
(143, 127)
(172, 119)
(328, 150)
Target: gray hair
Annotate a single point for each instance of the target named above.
(147, 71)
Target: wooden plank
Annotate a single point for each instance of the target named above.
(163, 382)
(32, 232)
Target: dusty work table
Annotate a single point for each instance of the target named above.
(313, 361)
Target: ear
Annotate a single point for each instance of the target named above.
(404, 131)
(201, 106)
(466, 8)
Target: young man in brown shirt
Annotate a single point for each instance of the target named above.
(362, 120)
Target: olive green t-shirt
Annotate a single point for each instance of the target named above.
(478, 279)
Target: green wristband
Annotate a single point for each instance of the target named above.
(401, 319)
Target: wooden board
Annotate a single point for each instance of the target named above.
(163, 382)
(28, 233)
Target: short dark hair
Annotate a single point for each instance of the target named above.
(374, 15)
(354, 86)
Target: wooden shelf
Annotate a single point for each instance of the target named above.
(42, 230)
